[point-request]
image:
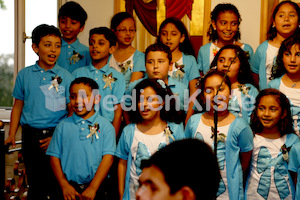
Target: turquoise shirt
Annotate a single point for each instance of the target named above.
(44, 106)
(65, 59)
(294, 166)
(80, 156)
(111, 93)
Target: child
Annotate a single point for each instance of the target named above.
(234, 139)
(285, 22)
(193, 180)
(126, 59)
(287, 75)
(173, 33)
(83, 145)
(111, 83)
(243, 93)
(274, 136)
(158, 59)
(151, 130)
(41, 99)
(223, 30)
(294, 167)
(71, 19)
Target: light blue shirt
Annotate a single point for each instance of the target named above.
(294, 166)
(44, 106)
(109, 96)
(67, 50)
(80, 156)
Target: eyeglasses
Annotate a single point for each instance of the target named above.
(124, 30)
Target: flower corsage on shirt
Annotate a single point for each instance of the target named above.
(244, 89)
(126, 66)
(75, 57)
(55, 82)
(179, 71)
(169, 134)
(94, 130)
(108, 79)
(285, 152)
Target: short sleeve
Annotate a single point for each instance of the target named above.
(139, 62)
(294, 158)
(55, 146)
(109, 138)
(245, 139)
(123, 147)
(18, 91)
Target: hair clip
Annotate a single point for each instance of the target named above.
(162, 84)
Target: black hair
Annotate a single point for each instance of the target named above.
(188, 162)
(245, 70)
(186, 46)
(74, 11)
(108, 34)
(212, 72)
(43, 30)
(285, 125)
(272, 32)
(222, 8)
(159, 47)
(278, 69)
(118, 18)
(86, 81)
(168, 111)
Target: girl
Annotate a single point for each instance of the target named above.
(126, 59)
(287, 75)
(173, 33)
(285, 21)
(223, 30)
(150, 131)
(235, 138)
(273, 130)
(243, 92)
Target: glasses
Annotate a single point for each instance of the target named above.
(124, 30)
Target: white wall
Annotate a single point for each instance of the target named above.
(99, 13)
(250, 14)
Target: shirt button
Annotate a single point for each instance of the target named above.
(82, 122)
(96, 72)
(96, 79)
(69, 53)
(69, 46)
(82, 128)
(42, 71)
(44, 79)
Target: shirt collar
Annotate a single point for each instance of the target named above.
(171, 81)
(103, 69)
(78, 119)
(54, 69)
(74, 44)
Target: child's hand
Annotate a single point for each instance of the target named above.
(45, 143)
(88, 194)
(70, 193)
(10, 140)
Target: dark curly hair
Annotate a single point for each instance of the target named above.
(278, 69)
(272, 32)
(222, 8)
(186, 46)
(285, 125)
(245, 71)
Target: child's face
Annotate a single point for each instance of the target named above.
(291, 60)
(158, 65)
(48, 51)
(286, 20)
(149, 105)
(171, 36)
(211, 86)
(70, 29)
(223, 62)
(99, 47)
(269, 112)
(83, 100)
(227, 25)
(154, 186)
(125, 31)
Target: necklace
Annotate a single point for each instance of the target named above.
(294, 85)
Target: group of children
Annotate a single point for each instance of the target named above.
(81, 106)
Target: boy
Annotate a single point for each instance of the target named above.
(158, 59)
(83, 145)
(41, 96)
(71, 18)
(185, 169)
(102, 43)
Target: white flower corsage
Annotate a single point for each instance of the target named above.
(244, 89)
(75, 57)
(220, 136)
(179, 71)
(94, 129)
(285, 152)
(169, 133)
(125, 66)
(55, 82)
(108, 79)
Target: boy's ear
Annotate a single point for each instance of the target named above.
(81, 28)
(97, 99)
(186, 193)
(35, 48)
(112, 49)
(170, 66)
